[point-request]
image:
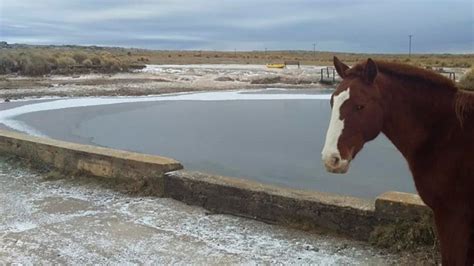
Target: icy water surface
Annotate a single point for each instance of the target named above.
(272, 136)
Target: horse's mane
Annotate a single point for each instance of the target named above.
(463, 101)
(464, 106)
(408, 73)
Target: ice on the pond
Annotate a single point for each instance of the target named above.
(7, 117)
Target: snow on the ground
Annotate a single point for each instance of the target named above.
(78, 222)
(242, 73)
(157, 79)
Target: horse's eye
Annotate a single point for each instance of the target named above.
(359, 107)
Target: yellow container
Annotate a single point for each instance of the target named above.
(275, 65)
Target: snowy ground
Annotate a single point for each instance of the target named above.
(77, 221)
(157, 79)
(235, 73)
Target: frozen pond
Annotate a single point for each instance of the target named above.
(273, 136)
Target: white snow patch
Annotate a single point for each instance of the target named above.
(23, 226)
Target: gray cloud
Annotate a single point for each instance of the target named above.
(356, 26)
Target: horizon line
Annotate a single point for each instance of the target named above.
(232, 51)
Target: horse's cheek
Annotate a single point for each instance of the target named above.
(373, 124)
(350, 144)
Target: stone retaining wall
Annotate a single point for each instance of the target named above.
(351, 216)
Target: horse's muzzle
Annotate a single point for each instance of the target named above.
(334, 164)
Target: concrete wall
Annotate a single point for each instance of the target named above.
(92, 160)
(302, 209)
(297, 208)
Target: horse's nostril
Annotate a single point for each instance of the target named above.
(336, 160)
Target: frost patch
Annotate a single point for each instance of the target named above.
(23, 226)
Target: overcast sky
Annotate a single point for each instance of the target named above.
(334, 25)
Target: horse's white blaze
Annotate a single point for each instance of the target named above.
(336, 125)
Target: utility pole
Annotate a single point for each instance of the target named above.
(314, 50)
(409, 45)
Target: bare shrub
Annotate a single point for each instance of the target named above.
(79, 57)
(65, 61)
(7, 64)
(96, 61)
(111, 64)
(87, 63)
(467, 81)
(34, 65)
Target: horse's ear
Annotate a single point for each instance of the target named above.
(340, 67)
(370, 71)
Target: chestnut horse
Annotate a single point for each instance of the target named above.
(430, 122)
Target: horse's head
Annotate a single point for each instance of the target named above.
(356, 116)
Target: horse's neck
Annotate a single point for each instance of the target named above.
(415, 115)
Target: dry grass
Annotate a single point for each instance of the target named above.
(415, 237)
(304, 57)
(405, 235)
(467, 81)
(42, 61)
